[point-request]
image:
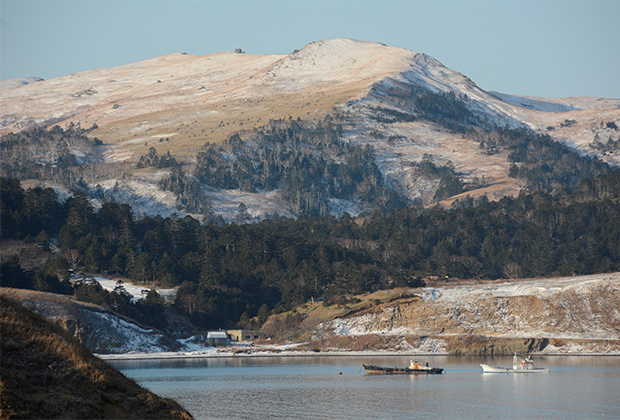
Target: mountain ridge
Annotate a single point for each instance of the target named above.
(330, 63)
(180, 80)
(179, 102)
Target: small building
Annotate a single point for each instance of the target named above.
(245, 335)
(217, 338)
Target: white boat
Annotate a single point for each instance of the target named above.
(526, 366)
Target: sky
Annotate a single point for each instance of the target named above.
(535, 48)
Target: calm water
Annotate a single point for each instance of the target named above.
(310, 388)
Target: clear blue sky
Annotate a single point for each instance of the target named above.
(537, 48)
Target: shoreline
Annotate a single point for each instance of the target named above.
(211, 354)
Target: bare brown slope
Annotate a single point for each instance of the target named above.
(190, 100)
(46, 373)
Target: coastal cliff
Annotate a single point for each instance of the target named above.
(553, 316)
(571, 315)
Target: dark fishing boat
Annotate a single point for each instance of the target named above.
(413, 368)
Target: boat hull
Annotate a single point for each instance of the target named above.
(494, 369)
(380, 370)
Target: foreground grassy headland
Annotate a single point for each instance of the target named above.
(47, 373)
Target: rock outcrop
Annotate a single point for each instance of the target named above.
(559, 315)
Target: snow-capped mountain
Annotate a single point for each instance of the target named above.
(190, 100)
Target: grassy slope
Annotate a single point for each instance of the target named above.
(22, 296)
(301, 321)
(189, 128)
(46, 373)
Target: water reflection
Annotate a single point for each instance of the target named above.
(310, 387)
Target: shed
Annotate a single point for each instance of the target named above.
(217, 338)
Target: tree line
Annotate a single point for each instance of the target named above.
(232, 274)
(41, 154)
(308, 164)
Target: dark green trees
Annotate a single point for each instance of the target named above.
(234, 273)
(307, 164)
(152, 158)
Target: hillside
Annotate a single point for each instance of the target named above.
(46, 373)
(568, 315)
(238, 274)
(383, 96)
(100, 330)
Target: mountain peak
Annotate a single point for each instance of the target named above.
(344, 44)
(427, 59)
(337, 62)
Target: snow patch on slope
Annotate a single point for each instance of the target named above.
(145, 197)
(226, 203)
(125, 336)
(100, 330)
(142, 193)
(542, 289)
(134, 290)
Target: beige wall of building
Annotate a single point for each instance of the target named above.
(245, 335)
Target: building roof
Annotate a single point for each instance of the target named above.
(217, 334)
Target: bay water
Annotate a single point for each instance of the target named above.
(336, 387)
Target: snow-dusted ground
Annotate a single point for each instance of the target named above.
(600, 336)
(141, 102)
(130, 337)
(210, 352)
(583, 311)
(193, 350)
(541, 288)
(226, 203)
(538, 104)
(147, 199)
(15, 83)
(110, 285)
(136, 291)
(143, 194)
(100, 330)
